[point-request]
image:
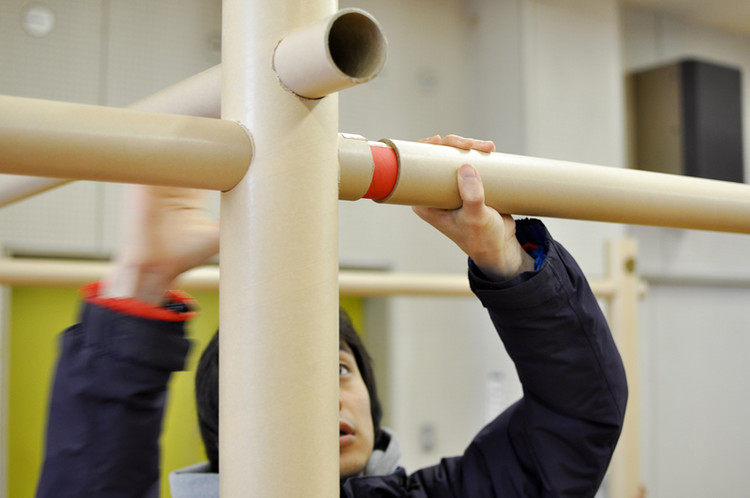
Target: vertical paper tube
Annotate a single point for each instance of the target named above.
(279, 265)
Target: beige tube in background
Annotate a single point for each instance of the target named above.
(362, 283)
(279, 265)
(340, 51)
(198, 95)
(14, 188)
(84, 142)
(544, 187)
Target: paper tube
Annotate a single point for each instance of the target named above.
(544, 187)
(198, 95)
(279, 293)
(362, 283)
(356, 176)
(14, 188)
(85, 142)
(341, 51)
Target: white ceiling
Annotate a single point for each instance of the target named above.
(730, 15)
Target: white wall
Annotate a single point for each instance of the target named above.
(693, 335)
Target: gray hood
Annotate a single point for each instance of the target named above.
(384, 461)
(197, 481)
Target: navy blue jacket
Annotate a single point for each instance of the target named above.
(109, 393)
(557, 440)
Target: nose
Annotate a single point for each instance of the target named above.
(340, 405)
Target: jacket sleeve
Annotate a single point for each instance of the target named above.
(107, 403)
(556, 441)
(559, 438)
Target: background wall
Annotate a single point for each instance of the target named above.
(540, 78)
(694, 321)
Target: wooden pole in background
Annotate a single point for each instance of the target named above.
(625, 477)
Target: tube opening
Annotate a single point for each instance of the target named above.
(357, 45)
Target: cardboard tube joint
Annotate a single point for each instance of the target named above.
(385, 173)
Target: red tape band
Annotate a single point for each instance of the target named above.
(384, 175)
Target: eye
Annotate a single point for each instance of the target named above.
(344, 369)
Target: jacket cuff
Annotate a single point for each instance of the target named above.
(178, 305)
(529, 289)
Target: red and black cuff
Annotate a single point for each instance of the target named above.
(178, 306)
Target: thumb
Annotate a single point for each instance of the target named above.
(470, 187)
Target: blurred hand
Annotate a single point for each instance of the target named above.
(486, 236)
(167, 233)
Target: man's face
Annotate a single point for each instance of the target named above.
(356, 431)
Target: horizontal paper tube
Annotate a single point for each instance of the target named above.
(84, 142)
(513, 184)
(561, 189)
(72, 273)
(198, 95)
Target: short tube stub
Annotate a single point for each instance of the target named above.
(339, 52)
(367, 169)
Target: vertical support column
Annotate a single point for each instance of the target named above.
(625, 471)
(279, 264)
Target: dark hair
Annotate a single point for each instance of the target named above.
(207, 400)
(207, 387)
